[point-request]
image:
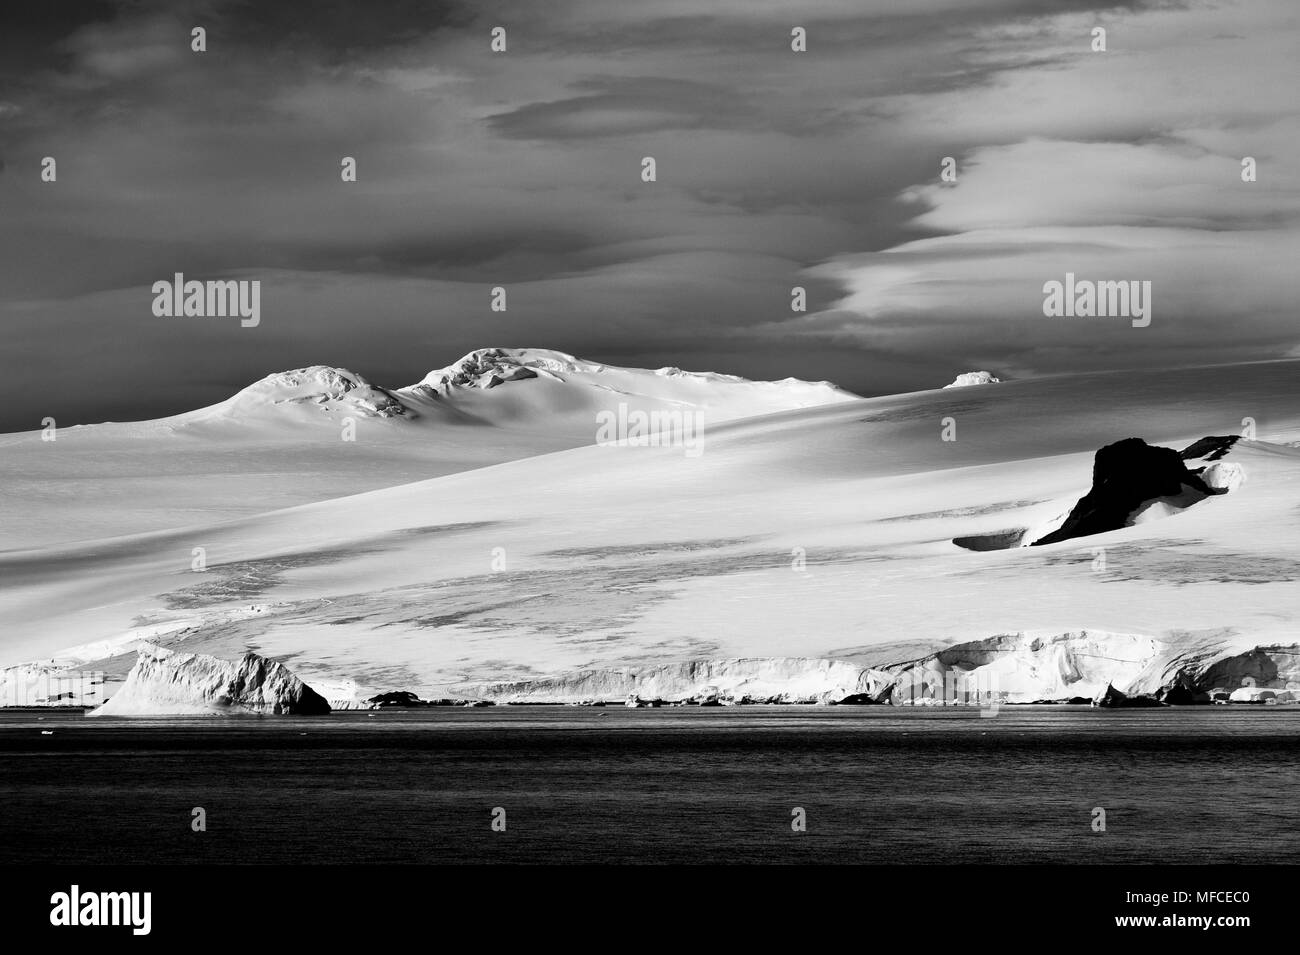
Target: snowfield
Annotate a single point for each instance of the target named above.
(320, 432)
(805, 555)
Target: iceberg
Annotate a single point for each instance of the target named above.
(169, 683)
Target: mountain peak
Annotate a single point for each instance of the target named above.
(321, 380)
(488, 367)
(565, 389)
(320, 385)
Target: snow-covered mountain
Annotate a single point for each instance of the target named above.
(317, 393)
(538, 387)
(544, 388)
(821, 534)
(320, 432)
(728, 396)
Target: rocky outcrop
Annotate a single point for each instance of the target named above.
(169, 683)
(1209, 448)
(1128, 477)
(1114, 699)
(484, 368)
(1182, 695)
(1276, 666)
(398, 698)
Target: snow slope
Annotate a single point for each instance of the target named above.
(819, 534)
(320, 432)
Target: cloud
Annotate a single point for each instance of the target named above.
(628, 105)
(1104, 189)
(523, 169)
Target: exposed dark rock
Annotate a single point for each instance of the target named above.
(858, 699)
(1258, 664)
(396, 698)
(1114, 699)
(1209, 448)
(998, 540)
(1126, 476)
(1182, 695)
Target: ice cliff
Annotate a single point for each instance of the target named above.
(759, 680)
(168, 683)
(1078, 666)
(1087, 664)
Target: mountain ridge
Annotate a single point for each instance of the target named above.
(486, 369)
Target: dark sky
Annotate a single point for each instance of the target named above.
(522, 169)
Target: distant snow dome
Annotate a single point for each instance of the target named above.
(973, 378)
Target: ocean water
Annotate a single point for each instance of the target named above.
(679, 785)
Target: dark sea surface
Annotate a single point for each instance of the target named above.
(679, 785)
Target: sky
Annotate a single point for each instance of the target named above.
(523, 169)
